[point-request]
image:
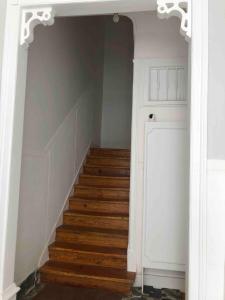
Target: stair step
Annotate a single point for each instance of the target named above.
(106, 171)
(105, 181)
(92, 236)
(102, 206)
(96, 220)
(90, 249)
(82, 191)
(88, 276)
(108, 161)
(110, 152)
(88, 255)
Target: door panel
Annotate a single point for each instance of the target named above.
(165, 196)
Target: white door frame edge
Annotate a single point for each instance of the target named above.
(11, 132)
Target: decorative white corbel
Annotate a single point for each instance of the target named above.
(179, 8)
(32, 17)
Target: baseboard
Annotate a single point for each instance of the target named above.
(10, 292)
(44, 256)
(162, 279)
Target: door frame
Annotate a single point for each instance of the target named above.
(12, 115)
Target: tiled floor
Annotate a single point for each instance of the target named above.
(58, 292)
(155, 294)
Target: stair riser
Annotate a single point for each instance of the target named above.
(87, 282)
(103, 182)
(93, 239)
(101, 194)
(99, 206)
(91, 259)
(97, 222)
(113, 153)
(104, 171)
(108, 162)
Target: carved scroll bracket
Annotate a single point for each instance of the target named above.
(179, 8)
(31, 18)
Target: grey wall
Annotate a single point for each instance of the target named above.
(117, 83)
(62, 118)
(63, 61)
(216, 96)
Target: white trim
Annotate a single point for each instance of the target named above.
(161, 279)
(145, 66)
(198, 152)
(132, 247)
(178, 8)
(11, 123)
(11, 132)
(10, 292)
(32, 17)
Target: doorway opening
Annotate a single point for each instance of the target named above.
(76, 152)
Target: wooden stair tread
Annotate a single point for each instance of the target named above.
(101, 273)
(104, 181)
(113, 171)
(81, 186)
(91, 246)
(88, 248)
(97, 192)
(109, 167)
(115, 206)
(108, 161)
(110, 151)
(101, 200)
(122, 178)
(78, 229)
(96, 214)
(108, 157)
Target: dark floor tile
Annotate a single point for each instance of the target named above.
(57, 292)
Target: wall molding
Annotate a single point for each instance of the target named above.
(198, 220)
(161, 279)
(44, 255)
(32, 17)
(178, 8)
(55, 180)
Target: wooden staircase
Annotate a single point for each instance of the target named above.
(91, 246)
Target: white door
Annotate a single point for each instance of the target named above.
(165, 196)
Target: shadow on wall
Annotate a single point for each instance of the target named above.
(62, 119)
(117, 83)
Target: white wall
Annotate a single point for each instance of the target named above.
(2, 27)
(117, 83)
(157, 40)
(216, 98)
(62, 118)
(215, 271)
